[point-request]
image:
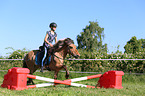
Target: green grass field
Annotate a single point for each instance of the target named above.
(133, 85)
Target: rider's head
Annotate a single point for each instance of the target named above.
(53, 26)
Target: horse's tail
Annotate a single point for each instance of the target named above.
(24, 63)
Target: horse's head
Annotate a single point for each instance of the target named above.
(71, 48)
(67, 45)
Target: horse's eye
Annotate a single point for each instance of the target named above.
(70, 47)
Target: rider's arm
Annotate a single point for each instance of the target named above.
(55, 39)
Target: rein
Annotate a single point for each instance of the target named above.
(60, 58)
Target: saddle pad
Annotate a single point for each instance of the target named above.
(38, 59)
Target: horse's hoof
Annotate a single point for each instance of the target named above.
(67, 76)
(28, 82)
(33, 83)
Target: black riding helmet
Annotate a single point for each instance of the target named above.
(53, 25)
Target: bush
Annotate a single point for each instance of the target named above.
(103, 66)
(5, 65)
(96, 65)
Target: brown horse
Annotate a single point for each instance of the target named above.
(58, 54)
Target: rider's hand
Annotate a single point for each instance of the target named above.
(51, 45)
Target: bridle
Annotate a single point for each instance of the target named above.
(62, 58)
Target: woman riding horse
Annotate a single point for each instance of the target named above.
(58, 53)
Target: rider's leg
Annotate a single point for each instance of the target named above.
(42, 65)
(47, 59)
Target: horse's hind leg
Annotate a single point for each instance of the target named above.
(30, 79)
(67, 73)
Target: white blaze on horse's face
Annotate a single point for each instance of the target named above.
(73, 51)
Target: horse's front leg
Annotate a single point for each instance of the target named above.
(67, 73)
(55, 77)
(55, 74)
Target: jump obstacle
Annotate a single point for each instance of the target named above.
(16, 79)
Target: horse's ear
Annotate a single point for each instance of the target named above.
(60, 43)
(68, 41)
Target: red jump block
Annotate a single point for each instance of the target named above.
(16, 79)
(111, 79)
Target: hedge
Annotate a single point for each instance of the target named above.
(96, 66)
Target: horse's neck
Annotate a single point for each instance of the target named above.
(63, 53)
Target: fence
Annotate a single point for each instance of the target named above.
(74, 59)
(92, 65)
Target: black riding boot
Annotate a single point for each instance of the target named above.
(42, 52)
(41, 70)
(41, 67)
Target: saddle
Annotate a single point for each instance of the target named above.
(40, 55)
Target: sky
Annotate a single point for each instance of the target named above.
(23, 23)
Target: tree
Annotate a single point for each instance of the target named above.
(91, 38)
(134, 45)
(143, 43)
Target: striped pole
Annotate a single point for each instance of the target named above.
(65, 82)
(40, 85)
(83, 78)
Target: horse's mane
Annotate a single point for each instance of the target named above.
(66, 41)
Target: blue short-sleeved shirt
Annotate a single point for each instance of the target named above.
(50, 38)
